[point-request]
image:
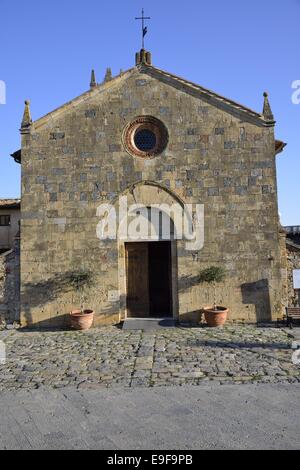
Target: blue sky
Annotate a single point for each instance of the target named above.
(237, 48)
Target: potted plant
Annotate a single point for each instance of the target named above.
(81, 319)
(216, 315)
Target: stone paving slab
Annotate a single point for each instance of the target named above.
(264, 416)
(111, 357)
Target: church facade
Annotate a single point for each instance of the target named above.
(157, 140)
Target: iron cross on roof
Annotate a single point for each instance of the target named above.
(144, 28)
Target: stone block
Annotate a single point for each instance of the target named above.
(219, 130)
(229, 145)
(59, 171)
(83, 196)
(57, 135)
(203, 111)
(227, 182)
(266, 189)
(62, 187)
(41, 179)
(213, 191)
(190, 145)
(189, 175)
(90, 113)
(164, 110)
(256, 172)
(141, 82)
(264, 164)
(170, 168)
(111, 176)
(204, 139)
(192, 131)
(86, 154)
(67, 150)
(241, 190)
(53, 197)
(203, 166)
(252, 181)
(114, 148)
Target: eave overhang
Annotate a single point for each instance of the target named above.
(17, 156)
(279, 146)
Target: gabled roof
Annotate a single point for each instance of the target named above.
(175, 81)
(10, 203)
(208, 96)
(83, 97)
(205, 94)
(292, 244)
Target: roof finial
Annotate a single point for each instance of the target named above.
(143, 58)
(26, 121)
(93, 83)
(108, 75)
(267, 111)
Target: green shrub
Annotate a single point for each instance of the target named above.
(213, 275)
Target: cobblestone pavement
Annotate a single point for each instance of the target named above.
(111, 357)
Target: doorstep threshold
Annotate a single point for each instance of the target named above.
(148, 323)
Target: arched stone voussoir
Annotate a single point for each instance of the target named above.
(148, 193)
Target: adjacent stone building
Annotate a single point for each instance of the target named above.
(10, 214)
(157, 139)
(10, 284)
(293, 263)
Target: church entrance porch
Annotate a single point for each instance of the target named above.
(148, 279)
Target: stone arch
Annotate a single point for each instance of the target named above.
(150, 192)
(147, 193)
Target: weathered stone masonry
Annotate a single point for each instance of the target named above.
(219, 154)
(10, 284)
(293, 263)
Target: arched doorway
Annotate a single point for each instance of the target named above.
(148, 279)
(148, 266)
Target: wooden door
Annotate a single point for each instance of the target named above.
(137, 267)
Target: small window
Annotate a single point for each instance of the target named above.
(145, 140)
(4, 220)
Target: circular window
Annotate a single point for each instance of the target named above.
(145, 140)
(145, 137)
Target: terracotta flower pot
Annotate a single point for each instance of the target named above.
(216, 318)
(82, 321)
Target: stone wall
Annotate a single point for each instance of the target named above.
(10, 285)
(73, 160)
(284, 268)
(293, 262)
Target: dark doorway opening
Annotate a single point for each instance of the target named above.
(149, 286)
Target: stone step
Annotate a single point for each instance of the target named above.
(148, 324)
